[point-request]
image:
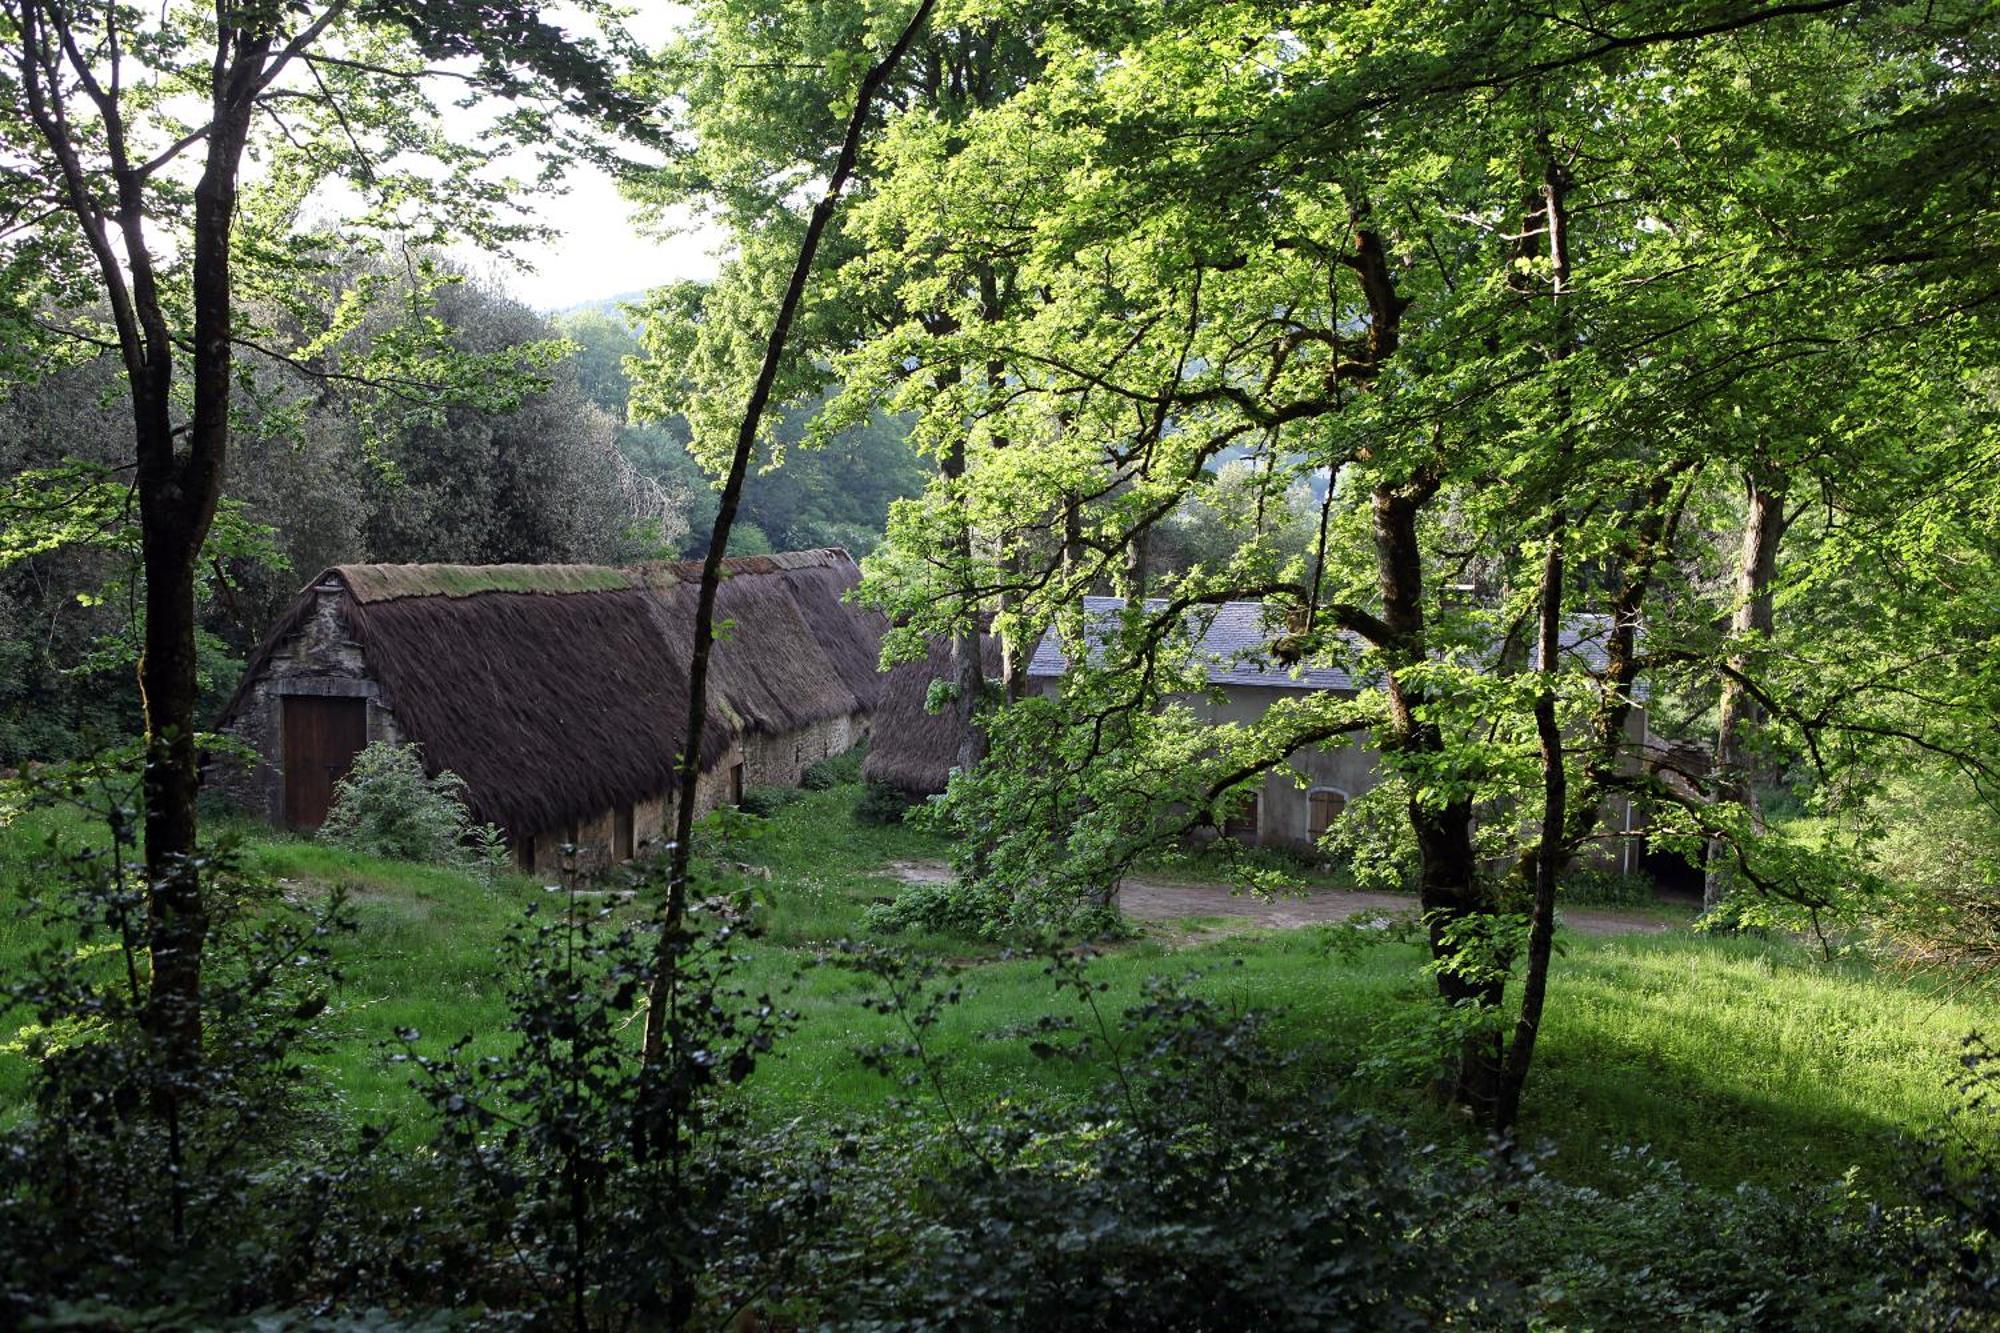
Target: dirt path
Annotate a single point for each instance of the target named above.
(1166, 900)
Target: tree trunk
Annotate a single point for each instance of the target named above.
(1448, 888)
(968, 670)
(1750, 622)
(1553, 849)
(178, 494)
(659, 1124)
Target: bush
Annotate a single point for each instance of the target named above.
(982, 910)
(948, 907)
(1202, 1189)
(581, 1186)
(1940, 863)
(767, 801)
(881, 803)
(387, 806)
(838, 770)
(137, 1182)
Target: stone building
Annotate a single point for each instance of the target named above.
(1299, 800)
(558, 693)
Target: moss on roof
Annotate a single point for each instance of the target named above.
(388, 583)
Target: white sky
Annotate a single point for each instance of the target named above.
(598, 252)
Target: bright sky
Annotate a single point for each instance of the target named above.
(598, 251)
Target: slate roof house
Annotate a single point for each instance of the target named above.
(1296, 803)
(557, 692)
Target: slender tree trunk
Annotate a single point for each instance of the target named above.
(663, 1101)
(968, 670)
(1553, 848)
(662, 1000)
(178, 493)
(1750, 621)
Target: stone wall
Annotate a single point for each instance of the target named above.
(780, 760)
(319, 658)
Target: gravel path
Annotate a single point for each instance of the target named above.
(1167, 900)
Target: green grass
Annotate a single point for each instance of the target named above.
(1743, 1058)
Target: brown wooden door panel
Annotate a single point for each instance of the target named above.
(322, 736)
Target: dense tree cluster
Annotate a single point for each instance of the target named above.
(1440, 330)
(1674, 321)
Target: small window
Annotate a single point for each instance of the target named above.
(736, 784)
(524, 855)
(1327, 805)
(569, 834)
(621, 833)
(1241, 821)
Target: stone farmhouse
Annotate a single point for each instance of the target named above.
(558, 693)
(1297, 802)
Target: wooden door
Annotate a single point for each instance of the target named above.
(322, 736)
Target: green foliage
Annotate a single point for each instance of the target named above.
(883, 803)
(387, 806)
(1594, 886)
(1939, 860)
(973, 910)
(600, 1187)
(980, 909)
(1110, 1211)
(1373, 839)
(838, 770)
(203, 1184)
(766, 801)
(1652, 1250)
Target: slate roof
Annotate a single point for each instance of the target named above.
(1236, 644)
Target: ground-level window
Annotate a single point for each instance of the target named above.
(1241, 821)
(621, 833)
(1326, 805)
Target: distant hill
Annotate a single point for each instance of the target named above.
(604, 305)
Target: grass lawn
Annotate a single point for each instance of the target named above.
(1743, 1058)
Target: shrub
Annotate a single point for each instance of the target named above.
(838, 770)
(592, 1190)
(1940, 862)
(881, 803)
(982, 910)
(388, 806)
(138, 1182)
(767, 801)
(1202, 1189)
(948, 907)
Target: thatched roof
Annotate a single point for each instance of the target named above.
(830, 640)
(559, 691)
(767, 671)
(908, 747)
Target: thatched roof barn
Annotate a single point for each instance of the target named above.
(912, 749)
(557, 692)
